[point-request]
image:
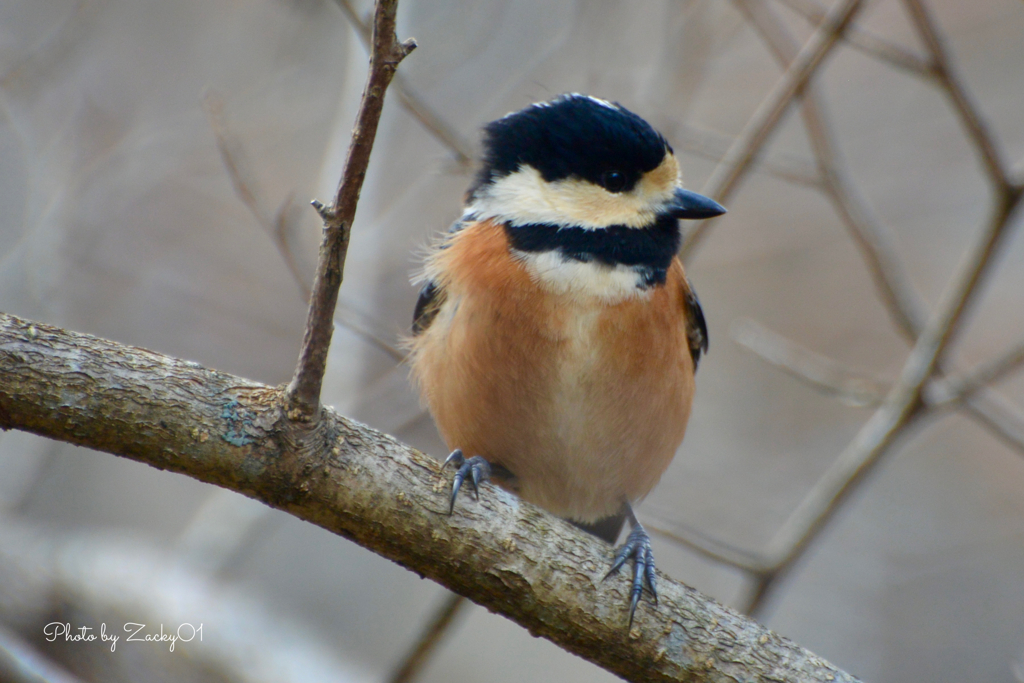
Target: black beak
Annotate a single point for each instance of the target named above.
(686, 204)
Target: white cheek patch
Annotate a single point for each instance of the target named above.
(525, 198)
(590, 279)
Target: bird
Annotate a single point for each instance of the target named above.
(556, 335)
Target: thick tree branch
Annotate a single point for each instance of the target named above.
(303, 393)
(502, 553)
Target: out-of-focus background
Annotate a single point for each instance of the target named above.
(156, 164)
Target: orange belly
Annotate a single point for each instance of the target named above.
(584, 400)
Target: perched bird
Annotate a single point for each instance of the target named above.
(556, 335)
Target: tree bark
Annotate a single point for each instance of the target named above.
(505, 554)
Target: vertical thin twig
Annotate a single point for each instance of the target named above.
(303, 393)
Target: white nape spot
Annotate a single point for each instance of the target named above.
(598, 100)
(535, 105)
(561, 275)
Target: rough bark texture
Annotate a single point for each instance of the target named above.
(506, 555)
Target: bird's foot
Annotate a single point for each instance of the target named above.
(638, 548)
(476, 468)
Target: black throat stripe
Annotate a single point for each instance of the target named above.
(649, 250)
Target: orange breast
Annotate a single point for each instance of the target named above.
(585, 401)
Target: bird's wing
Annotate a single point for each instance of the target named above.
(432, 295)
(696, 327)
(427, 306)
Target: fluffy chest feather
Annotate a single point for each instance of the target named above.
(577, 381)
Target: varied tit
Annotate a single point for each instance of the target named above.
(556, 337)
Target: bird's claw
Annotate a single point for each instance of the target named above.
(476, 468)
(637, 547)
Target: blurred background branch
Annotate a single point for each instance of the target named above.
(412, 102)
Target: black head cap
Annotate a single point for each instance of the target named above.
(573, 135)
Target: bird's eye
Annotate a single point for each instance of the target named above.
(613, 181)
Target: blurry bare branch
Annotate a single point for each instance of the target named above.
(303, 392)
(859, 390)
(370, 330)
(872, 239)
(281, 226)
(915, 391)
(901, 406)
(220, 529)
(990, 409)
(866, 41)
(414, 102)
(956, 390)
(762, 123)
(429, 639)
(999, 415)
(821, 372)
(972, 121)
(21, 663)
(968, 391)
(663, 524)
(29, 66)
(108, 578)
(713, 146)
